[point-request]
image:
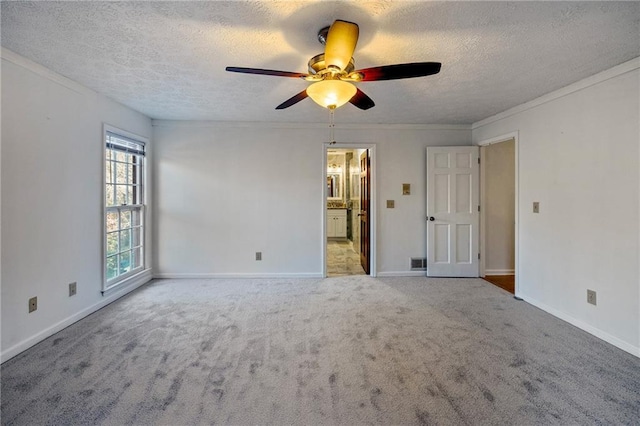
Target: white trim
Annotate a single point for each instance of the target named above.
(140, 280)
(323, 207)
(502, 138)
(389, 274)
(633, 350)
(485, 142)
(483, 217)
(500, 272)
(372, 203)
(234, 275)
(145, 211)
(42, 71)
(126, 279)
(585, 83)
(118, 131)
(299, 125)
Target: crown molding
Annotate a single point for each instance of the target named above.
(616, 71)
(45, 72)
(298, 125)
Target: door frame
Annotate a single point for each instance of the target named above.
(372, 203)
(483, 218)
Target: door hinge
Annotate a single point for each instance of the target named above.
(478, 256)
(478, 208)
(478, 160)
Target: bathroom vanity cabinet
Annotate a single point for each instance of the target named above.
(336, 223)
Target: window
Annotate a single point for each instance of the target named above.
(124, 208)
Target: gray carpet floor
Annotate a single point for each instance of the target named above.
(346, 350)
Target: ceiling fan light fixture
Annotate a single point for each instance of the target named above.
(331, 93)
(332, 73)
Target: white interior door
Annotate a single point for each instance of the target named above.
(452, 211)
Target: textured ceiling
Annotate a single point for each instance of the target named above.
(167, 59)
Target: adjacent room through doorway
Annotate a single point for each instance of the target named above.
(499, 194)
(347, 215)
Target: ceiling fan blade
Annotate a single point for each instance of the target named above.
(341, 43)
(397, 71)
(266, 72)
(293, 100)
(362, 101)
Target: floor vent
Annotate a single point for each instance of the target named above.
(418, 264)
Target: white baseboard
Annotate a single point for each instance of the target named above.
(402, 274)
(603, 335)
(180, 275)
(140, 279)
(499, 271)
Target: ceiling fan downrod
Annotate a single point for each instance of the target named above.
(322, 35)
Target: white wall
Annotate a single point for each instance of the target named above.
(224, 191)
(52, 153)
(579, 157)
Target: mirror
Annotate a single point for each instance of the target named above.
(335, 176)
(334, 186)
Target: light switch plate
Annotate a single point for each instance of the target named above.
(391, 204)
(536, 207)
(406, 189)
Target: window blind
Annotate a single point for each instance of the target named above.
(124, 144)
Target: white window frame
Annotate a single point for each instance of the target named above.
(141, 206)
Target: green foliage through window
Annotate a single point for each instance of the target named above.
(123, 205)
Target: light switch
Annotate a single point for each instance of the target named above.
(391, 204)
(406, 189)
(536, 207)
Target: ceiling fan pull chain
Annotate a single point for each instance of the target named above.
(332, 126)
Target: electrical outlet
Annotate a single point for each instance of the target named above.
(72, 289)
(33, 304)
(536, 207)
(258, 255)
(591, 297)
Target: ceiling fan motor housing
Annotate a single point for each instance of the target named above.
(317, 65)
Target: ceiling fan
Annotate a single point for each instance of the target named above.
(333, 73)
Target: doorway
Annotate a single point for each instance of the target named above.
(498, 191)
(348, 210)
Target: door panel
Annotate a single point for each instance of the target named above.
(441, 243)
(365, 193)
(452, 211)
(463, 243)
(441, 196)
(463, 194)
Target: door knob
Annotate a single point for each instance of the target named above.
(431, 218)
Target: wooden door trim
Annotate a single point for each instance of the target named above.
(373, 216)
